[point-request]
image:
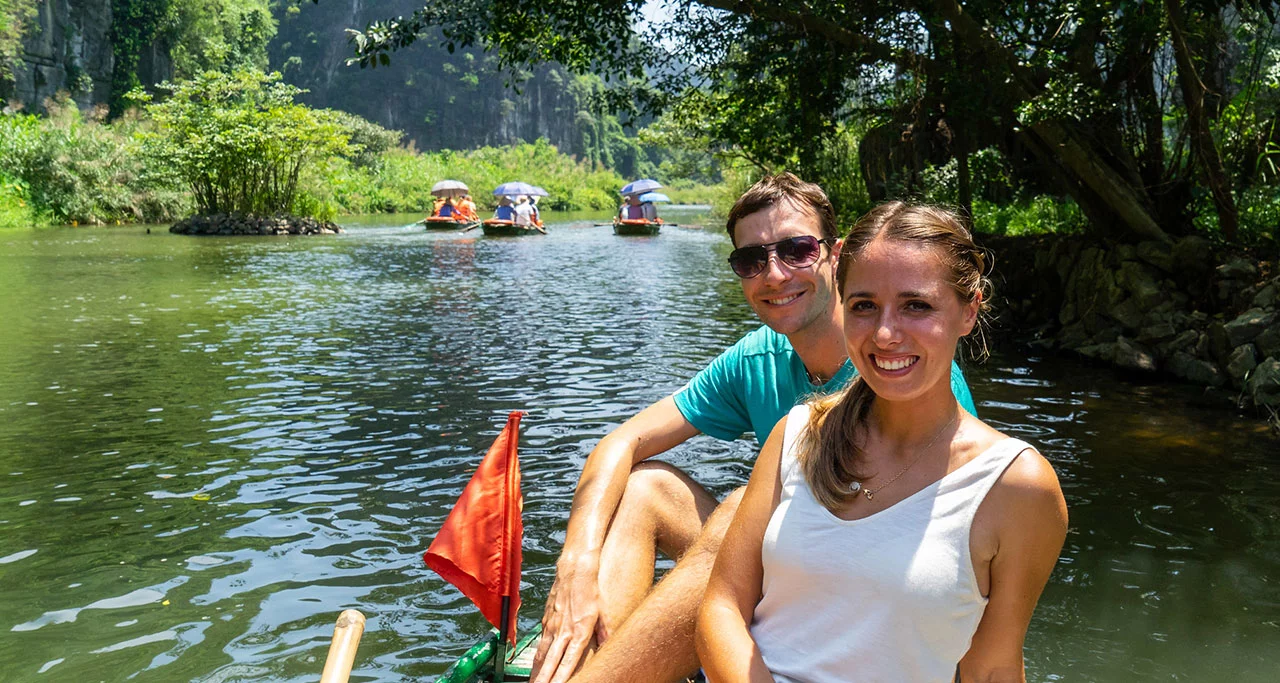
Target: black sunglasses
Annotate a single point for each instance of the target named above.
(796, 252)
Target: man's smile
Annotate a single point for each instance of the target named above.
(784, 300)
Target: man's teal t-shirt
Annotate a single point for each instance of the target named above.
(757, 381)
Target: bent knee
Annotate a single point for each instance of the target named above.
(649, 479)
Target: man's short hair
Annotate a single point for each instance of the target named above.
(772, 190)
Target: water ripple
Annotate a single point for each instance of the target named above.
(208, 448)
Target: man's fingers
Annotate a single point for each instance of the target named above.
(544, 668)
(573, 654)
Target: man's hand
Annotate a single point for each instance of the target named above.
(571, 619)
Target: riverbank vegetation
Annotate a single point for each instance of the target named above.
(178, 156)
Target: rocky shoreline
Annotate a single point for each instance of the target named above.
(236, 224)
(1187, 309)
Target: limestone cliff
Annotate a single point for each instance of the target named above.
(66, 47)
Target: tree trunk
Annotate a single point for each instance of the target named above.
(1061, 140)
(1206, 152)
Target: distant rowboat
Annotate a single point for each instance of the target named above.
(495, 227)
(448, 223)
(636, 226)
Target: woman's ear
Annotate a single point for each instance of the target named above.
(971, 313)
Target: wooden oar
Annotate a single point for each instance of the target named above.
(473, 226)
(342, 649)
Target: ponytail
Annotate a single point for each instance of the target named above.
(828, 451)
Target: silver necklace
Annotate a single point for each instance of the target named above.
(856, 486)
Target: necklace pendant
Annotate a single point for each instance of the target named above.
(868, 494)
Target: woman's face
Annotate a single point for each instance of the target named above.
(902, 319)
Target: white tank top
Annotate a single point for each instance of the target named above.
(891, 597)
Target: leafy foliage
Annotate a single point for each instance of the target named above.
(134, 25)
(14, 16)
(15, 204)
(67, 169)
(239, 141)
(1099, 101)
(218, 35)
(199, 35)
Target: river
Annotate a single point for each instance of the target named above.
(209, 447)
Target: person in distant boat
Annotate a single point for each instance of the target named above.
(437, 204)
(524, 211)
(649, 211)
(447, 209)
(505, 211)
(467, 208)
(631, 209)
(627, 508)
(536, 216)
(903, 538)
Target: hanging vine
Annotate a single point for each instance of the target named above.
(134, 25)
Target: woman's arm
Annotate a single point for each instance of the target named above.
(725, 647)
(1030, 518)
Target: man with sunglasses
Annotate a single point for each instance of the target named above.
(626, 509)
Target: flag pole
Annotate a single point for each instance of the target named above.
(500, 653)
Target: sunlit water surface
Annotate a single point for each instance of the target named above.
(209, 447)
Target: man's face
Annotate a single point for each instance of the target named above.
(788, 299)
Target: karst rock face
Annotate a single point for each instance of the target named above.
(67, 48)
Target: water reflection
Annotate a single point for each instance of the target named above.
(209, 447)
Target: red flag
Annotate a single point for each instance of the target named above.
(478, 548)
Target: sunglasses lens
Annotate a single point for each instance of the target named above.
(748, 262)
(799, 252)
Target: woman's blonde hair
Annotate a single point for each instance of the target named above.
(828, 452)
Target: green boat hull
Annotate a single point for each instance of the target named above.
(633, 229)
(509, 230)
(452, 225)
(476, 664)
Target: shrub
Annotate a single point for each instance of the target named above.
(1038, 215)
(239, 141)
(82, 171)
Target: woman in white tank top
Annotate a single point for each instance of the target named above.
(886, 534)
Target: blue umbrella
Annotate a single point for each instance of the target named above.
(639, 186)
(538, 192)
(517, 188)
(654, 197)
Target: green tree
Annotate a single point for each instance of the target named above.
(196, 36)
(1118, 102)
(220, 35)
(239, 140)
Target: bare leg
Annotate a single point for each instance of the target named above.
(661, 510)
(656, 642)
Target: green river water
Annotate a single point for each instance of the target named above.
(209, 447)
